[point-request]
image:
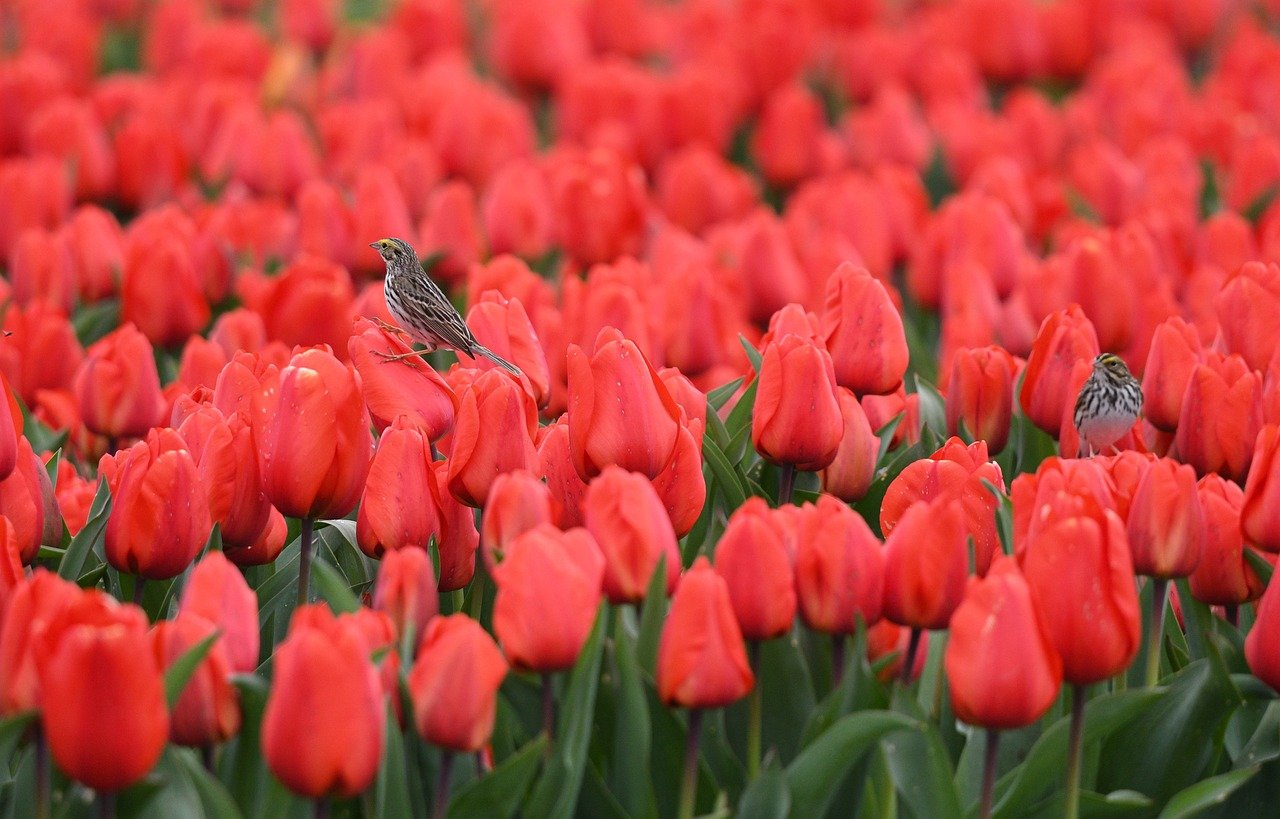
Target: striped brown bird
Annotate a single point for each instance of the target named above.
(422, 309)
(1108, 405)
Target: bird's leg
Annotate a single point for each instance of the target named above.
(389, 357)
(390, 328)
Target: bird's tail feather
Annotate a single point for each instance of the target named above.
(497, 359)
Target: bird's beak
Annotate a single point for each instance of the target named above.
(375, 245)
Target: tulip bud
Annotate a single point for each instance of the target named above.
(1260, 647)
(312, 432)
(494, 433)
(406, 590)
(1223, 577)
(208, 712)
(400, 507)
(1165, 522)
(702, 662)
(628, 521)
(839, 567)
(323, 726)
(1245, 306)
(94, 660)
(926, 562)
(797, 417)
(599, 201)
(1221, 417)
(118, 387)
(1175, 350)
(862, 329)
(850, 475)
(680, 485)
(1081, 579)
(34, 602)
(549, 590)
(454, 684)
(159, 517)
(753, 562)
(556, 465)
(227, 462)
(458, 539)
(1051, 380)
(518, 502)
(1258, 518)
(980, 394)
(620, 412)
(996, 621)
(27, 499)
(216, 591)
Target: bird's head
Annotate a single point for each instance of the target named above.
(1111, 364)
(393, 250)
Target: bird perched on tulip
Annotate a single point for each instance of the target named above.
(422, 309)
(1108, 404)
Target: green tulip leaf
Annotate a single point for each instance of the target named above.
(88, 538)
(1207, 793)
(728, 481)
(629, 773)
(179, 674)
(815, 775)
(332, 587)
(768, 796)
(391, 788)
(498, 793)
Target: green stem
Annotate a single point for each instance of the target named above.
(837, 660)
(786, 483)
(139, 586)
(756, 714)
(1074, 748)
(989, 773)
(320, 807)
(548, 711)
(1233, 615)
(689, 784)
(304, 561)
(913, 646)
(42, 773)
(107, 805)
(441, 805)
(1159, 590)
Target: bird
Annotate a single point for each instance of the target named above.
(422, 309)
(1108, 405)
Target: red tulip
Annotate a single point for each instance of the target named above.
(33, 602)
(767, 266)
(1081, 579)
(400, 507)
(503, 326)
(458, 539)
(797, 417)
(850, 475)
(786, 140)
(11, 572)
(566, 486)
(628, 521)
(494, 433)
(27, 499)
(94, 662)
(886, 638)
(118, 387)
(997, 621)
(1259, 519)
(1055, 476)
(702, 662)
(1175, 351)
(926, 561)
(406, 590)
(980, 394)
(1052, 379)
(216, 591)
(1221, 417)
(208, 712)
(41, 351)
(450, 230)
(40, 266)
(863, 330)
(518, 502)
(680, 485)
(549, 590)
(1245, 306)
(226, 460)
(323, 726)
(160, 291)
(1165, 522)
(309, 302)
(839, 567)
(599, 202)
(620, 412)
(1260, 647)
(1223, 577)
(752, 559)
(454, 684)
(159, 513)
(409, 387)
(516, 211)
(312, 432)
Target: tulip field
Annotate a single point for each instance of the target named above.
(816, 487)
